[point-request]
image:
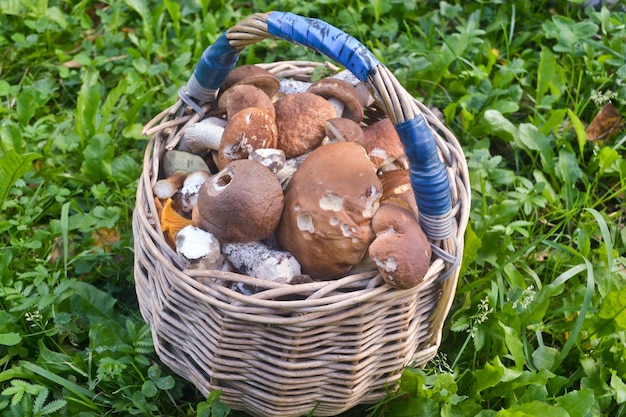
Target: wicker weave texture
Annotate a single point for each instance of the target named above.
(289, 349)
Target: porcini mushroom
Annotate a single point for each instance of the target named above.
(251, 75)
(257, 260)
(341, 129)
(243, 96)
(190, 189)
(249, 129)
(204, 136)
(167, 187)
(300, 119)
(366, 98)
(271, 158)
(329, 203)
(383, 145)
(400, 250)
(198, 248)
(241, 203)
(397, 189)
(342, 96)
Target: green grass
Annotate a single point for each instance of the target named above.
(538, 324)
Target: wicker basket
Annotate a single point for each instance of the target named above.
(291, 350)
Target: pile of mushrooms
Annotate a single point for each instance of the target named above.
(286, 182)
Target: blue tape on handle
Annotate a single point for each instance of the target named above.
(429, 178)
(216, 63)
(324, 38)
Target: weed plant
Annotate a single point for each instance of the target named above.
(538, 324)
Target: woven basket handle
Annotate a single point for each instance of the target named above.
(428, 174)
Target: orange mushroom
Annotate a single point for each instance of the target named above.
(171, 222)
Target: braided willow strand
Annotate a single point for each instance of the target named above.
(249, 31)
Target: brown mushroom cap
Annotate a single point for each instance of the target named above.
(243, 96)
(248, 74)
(249, 129)
(241, 203)
(300, 119)
(340, 129)
(329, 203)
(400, 250)
(382, 143)
(397, 189)
(342, 91)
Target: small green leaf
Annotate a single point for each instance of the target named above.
(27, 104)
(149, 389)
(514, 344)
(577, 403)
(614, 307)
(12, 167)
(532, 409)
(165, 382)
(52, 407)
(568, 167)
(10, 339)
(154, 372)
(606, 158)
(97, 158)
(550, 76)
(579, 129)
(489, 376)
(57, 16)
(544, 357)
(87, 104)
(500, 126)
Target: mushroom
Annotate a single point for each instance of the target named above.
(290, 168)
(189, 191)
(249, 129)
(248, 74)
(291, 86)
(340, 129)
(243, 96)
(329, 204)
(361, 88)
(400, 249)
(204, 136)
(172, 222)
(271, 158)
(167, 187)
(342, 95)
(257, 260)
(300, 119)
(241, 203)
(383, 145)
(397, 189)
(199, 249)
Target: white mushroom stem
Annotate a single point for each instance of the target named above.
(337, 104)
(290, 168)
(290, 86)
(167, 187)
(204, 136)
(271, 158)
(257, 260)
(191, 187)
(198, 249)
